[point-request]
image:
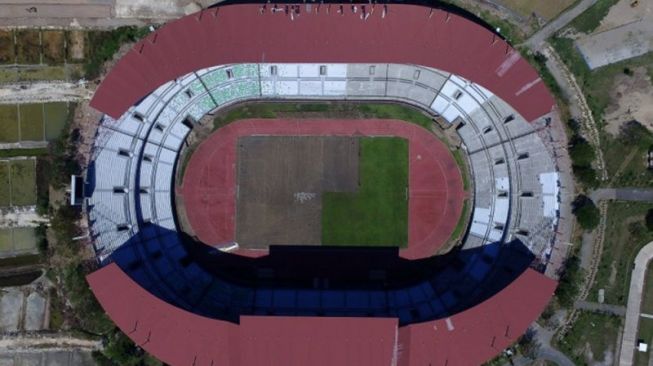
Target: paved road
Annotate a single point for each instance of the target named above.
(537, 39)
(633, 308)
(623, 194)
(603, 308)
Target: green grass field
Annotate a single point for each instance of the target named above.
(376, 215)
(645, 333)
(8, 123)
(598, 331)
(647, 296)
(18, 240)
(5, 184)
(23, 182)
(55, 117)
(31, 122)
(625, 235)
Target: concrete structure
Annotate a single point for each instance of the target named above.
(459, 309)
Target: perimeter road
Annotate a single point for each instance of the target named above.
(634, 302)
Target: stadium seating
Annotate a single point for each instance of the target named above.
(516, 192)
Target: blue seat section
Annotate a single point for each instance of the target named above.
(158, 261)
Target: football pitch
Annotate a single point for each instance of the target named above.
(377, 214)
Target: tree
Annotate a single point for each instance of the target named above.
(587, 214)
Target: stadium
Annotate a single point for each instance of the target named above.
(222, 255)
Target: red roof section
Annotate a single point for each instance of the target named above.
(409, 34)
(435, 184)
(178, 337)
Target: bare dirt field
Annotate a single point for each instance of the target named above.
(622, 13)
(76, 42)
(632, 99)
(280, 185)
(542, 8)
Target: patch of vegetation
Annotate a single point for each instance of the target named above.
(53, 46)
(587, 214)
(23, 182)
(570, 280)
(324, 110)
(9, 123)
(591, 18)
(102, 45)
(594, 330)
(120, 350)
(626, 156)
(12, 153)
(461, 225)
(582, 155)
(28, 46)
(378, 213)
(645, 333)
(598, 83)
(31, 122)
(19, 279)
(625, 235)
(7, 49)
(649, 220)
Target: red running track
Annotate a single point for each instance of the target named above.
(435, 184)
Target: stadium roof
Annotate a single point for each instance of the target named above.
(178, 337)
(408, 34)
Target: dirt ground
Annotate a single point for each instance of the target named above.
(280, 184)
(622, 13)
(632, 99)
(546, 9)
(75, 45)
(53, 46)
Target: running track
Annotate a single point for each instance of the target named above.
(435, 183)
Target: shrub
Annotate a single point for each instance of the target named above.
(649, 219)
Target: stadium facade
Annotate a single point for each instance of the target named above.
(196, 305)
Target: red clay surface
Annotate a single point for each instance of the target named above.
(409, 34)
(435, 184)
(178, 337)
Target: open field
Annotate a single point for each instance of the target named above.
(28, 46)
(545, 9)
(16, 241)
(589, 20)
(647, 294)
(32, 122)
(645, 333)
(281, 180)
(592, 339)
(625, 235)
(626, 157)
(378, 213)
(18, 182)
(53, 46)
(7, 49)
(9, 128)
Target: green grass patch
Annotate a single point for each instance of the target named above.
(7, 49)
(591, 18)
(647, 295)
(378, 213)
(25, 239)
(459, 157)
(8, 123)
(42, 73)
(645, 333)
(23, 260)
(31, 122)
(12, 153)
(28, 46)
(598, 331)
(462, 221)
(5, 184)
(23, 182)
(626, 156)
(55, 117)
(102, 45)
(625, 235)
(6, 241)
